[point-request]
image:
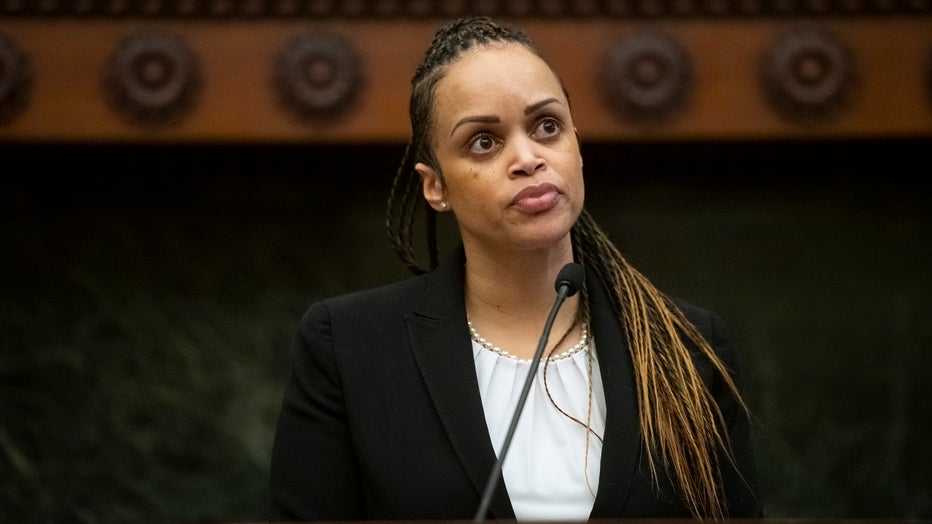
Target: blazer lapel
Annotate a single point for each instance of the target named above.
(443, 351)
(621, 442)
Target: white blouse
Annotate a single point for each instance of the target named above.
(550, 472)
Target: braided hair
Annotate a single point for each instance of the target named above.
(682, 426)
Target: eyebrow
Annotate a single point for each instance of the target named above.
(534, 107)
(494, 119)
(479, 119)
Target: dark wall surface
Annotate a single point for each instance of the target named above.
(148, 295)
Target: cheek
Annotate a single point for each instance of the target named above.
(577, 179)
(466, 179)
(574, 167)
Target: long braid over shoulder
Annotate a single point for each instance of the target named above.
(681, 423)
(683, 429)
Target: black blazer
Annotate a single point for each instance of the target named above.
(381, 417)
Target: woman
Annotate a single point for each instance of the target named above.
(400, 397)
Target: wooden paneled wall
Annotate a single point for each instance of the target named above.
(319, 71)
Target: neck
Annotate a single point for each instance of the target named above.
(513, 293)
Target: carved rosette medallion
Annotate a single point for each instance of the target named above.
(153, 78)
(15, 79)
(809, 75)
(318, 77)
(647, 78)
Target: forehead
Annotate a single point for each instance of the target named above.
(496, 72)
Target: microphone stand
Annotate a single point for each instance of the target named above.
(568, 282)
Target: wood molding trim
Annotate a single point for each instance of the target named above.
(265, 78)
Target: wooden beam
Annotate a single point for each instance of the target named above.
(237, 101)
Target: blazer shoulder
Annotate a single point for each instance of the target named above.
(713, 328)
(357, 309)
(404, 291)
(707, 320)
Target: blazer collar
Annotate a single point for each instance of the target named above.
(443, 352)
(621, 446)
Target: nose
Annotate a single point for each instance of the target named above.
(527, 159)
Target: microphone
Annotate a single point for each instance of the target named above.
(569, 281)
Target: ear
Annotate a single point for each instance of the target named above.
(432, 186)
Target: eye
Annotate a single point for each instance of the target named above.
(482, 143)
(548, 127)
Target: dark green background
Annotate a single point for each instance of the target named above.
(148, 295)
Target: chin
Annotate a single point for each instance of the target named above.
(544, 239)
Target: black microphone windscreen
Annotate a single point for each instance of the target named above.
(572, 276)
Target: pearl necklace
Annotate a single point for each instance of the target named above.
(580, 346)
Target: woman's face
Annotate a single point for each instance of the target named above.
(505, 142)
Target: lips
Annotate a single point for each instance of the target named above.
(535, 199)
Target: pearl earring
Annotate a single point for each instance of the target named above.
(443, 205)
